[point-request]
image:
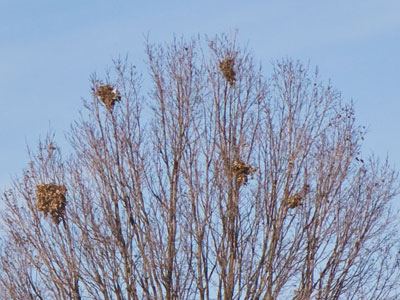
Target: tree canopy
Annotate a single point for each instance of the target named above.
(218, 182)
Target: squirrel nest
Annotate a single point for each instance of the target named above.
(226, 67)
(108, 95)
(242, 171)
(51, 200)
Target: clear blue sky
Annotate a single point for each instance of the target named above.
(48, 49)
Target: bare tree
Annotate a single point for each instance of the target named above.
(219, 183)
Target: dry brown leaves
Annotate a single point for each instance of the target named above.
(51, 200)
(242, 171)
(295, 200)
(108, 94)
(226, 67)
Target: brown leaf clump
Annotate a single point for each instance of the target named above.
(242, 170)
(226, 67)
(108, 94)
(51, 200)
(295, 200)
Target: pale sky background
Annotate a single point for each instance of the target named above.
(49, 49)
